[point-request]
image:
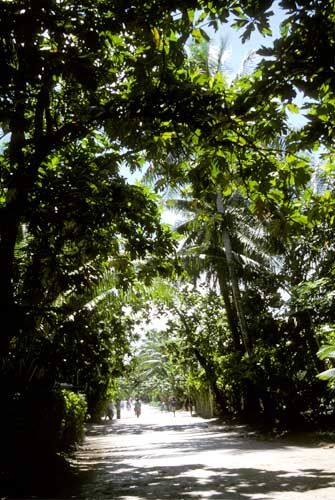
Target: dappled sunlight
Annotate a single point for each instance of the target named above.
(198, 481)
(166, 457)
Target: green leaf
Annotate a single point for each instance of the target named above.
(327, 351)
(200, 35)
(300, 218)
(240, 23)
(156, 37)
(293, 108)
(327, 374)
(166, 136)
(190, 15)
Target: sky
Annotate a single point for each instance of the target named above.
(236, 50)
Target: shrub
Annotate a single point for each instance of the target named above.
(73, 420)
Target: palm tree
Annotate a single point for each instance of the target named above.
(157, 370)
(228, 249)
(222, 240)
(227, 245)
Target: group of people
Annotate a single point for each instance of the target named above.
(169, 404)
(126, 404)
(121, 405)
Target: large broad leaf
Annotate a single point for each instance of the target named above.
(327, 351)
(327, 375)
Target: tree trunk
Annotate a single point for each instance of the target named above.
(211, 376)
(24, 168)
(234, 281)
(231, 316)
(9, 316)
(10, 216)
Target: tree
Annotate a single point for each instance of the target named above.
(230, 248)
(157, 371)
(91, 86)
(57, 78)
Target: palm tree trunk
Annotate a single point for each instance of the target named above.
(231, 316)
(234, 281)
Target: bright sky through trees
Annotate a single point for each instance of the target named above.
(238, 51)
(233, 58)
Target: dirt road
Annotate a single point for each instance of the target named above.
(159, 456)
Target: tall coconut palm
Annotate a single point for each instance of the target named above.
(226, 244)
(228, 249)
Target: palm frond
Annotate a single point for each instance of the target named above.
(249, 63)
(180, 205)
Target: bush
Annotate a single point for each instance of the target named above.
(73, 420)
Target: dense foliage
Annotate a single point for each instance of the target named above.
(92, 89)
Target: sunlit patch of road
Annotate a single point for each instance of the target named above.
(159, 456)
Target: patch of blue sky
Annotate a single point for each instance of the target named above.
(239, 51)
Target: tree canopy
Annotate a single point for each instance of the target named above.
(90, 88)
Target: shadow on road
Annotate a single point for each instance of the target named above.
(139, 428)
(196, 482)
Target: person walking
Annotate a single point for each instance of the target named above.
(137, 407)
(109, 411)
(173, 405)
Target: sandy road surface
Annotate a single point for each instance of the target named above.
(159, 456)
